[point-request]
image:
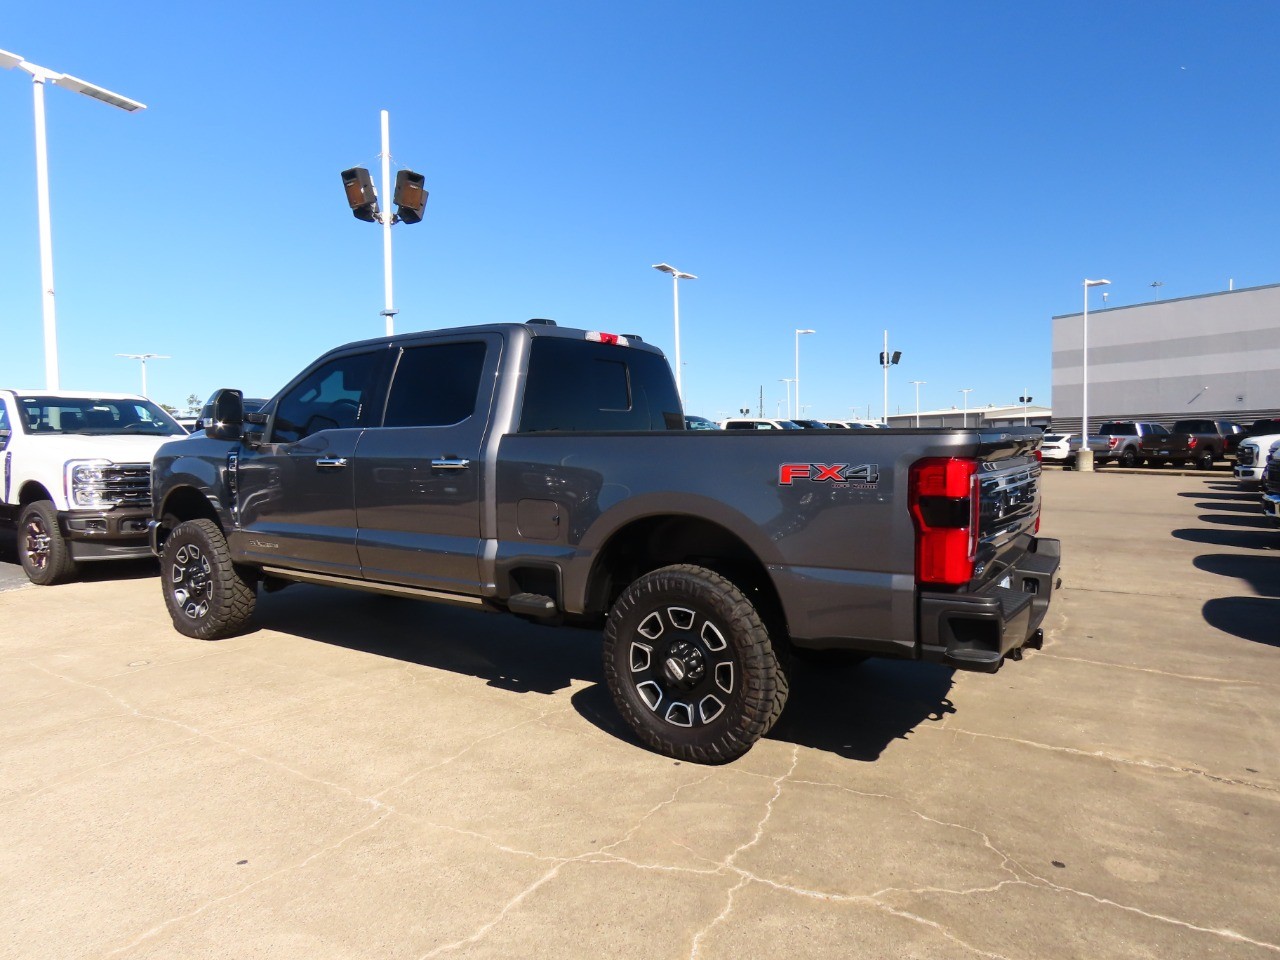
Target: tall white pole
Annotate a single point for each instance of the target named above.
(675, 298)
(144, 376)
(787, 381)
(797, 413)
(884, 362)
(390, 310)
(917, 384)
(1084, 374)
(46, 242)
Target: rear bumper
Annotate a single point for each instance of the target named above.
(976, 631)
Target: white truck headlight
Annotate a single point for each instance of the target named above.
(86, 484)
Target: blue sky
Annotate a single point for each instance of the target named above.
(949, 171)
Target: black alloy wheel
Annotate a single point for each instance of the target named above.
(208, 596)
(691, 667)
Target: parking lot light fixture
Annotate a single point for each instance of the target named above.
(676, 277)
(39, 76)
(144, 357)
(799, 334)
(1084, 459)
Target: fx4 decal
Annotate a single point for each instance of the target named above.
(863, 475)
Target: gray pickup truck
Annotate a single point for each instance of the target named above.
(547, 472)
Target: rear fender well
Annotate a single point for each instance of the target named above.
(647, 543)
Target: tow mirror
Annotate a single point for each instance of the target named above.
(227, 415)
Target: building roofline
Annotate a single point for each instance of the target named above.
(1149, 303)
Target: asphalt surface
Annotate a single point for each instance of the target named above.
(362, 777)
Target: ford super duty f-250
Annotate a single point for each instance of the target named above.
(546, 472)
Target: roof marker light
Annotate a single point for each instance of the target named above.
(610, 338)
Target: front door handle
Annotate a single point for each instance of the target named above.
(450, 463)
(323, 462)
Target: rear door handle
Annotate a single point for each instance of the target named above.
(331, 462)
(450, 463)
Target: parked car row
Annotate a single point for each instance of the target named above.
(773, 423)
(1201, 442)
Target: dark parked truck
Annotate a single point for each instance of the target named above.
(546, 472)
(1199, 441)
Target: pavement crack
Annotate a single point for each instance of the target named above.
(1127, 761)
(1164, 673)
(1185, 924)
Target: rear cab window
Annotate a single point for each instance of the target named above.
(578, 385)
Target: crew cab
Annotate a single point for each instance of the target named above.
(1199, 441)
(547, 472)
(76, 478)
(1124, 440)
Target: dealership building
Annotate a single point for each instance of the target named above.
(1215, 355)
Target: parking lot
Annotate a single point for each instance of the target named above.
(364, 777)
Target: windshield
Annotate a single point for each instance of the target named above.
(96, 416)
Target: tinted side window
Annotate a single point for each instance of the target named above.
(331, 397)
(1120, 429)
(579, 385)
(4, 426)
(435, 385)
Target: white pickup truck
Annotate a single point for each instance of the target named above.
(76, 476)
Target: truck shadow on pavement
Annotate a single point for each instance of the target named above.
(1250, 618)
(855, 712)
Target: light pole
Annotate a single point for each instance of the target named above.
(410, 198)
(788, 381)
(1024, 400)
(887, 360)
(676, 277)
(1155, 285)
(38, 77)
(1084, 457)
(144, 357)
(799, 333)
(918, 383)
(966, 391)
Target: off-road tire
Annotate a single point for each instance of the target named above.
(691, 667)
(43, 551)
(208, 596)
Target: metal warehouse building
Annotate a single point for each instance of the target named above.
(1215, 355)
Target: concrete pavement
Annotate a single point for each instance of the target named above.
(365, 777)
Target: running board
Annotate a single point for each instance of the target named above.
(372, 586)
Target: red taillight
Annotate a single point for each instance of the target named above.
(944, 501)
(1112, 442)
(1039, 455)
(1191, 442)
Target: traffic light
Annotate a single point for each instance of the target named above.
(410, 197)
(362, 197)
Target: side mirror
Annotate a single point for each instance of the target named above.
(227, 415)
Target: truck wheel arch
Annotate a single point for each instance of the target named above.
(649, 543)
(184, 503)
